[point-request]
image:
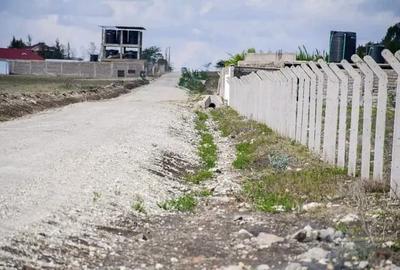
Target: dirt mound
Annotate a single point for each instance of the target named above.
(17, 105)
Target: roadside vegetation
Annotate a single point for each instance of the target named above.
(207, 151)
(304, 55)
(234, 59)
(187, 202)
(194, 81)
(184, 203)
(138, 205)
(280, 174)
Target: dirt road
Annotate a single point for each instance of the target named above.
(65, 159)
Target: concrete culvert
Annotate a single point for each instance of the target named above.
(210, 101)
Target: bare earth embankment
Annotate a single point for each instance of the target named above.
(21, 95)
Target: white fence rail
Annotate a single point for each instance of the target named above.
(319, 105)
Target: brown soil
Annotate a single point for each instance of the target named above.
(17, 105)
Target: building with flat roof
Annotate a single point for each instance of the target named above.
(121, 42)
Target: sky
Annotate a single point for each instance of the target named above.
(199, 31)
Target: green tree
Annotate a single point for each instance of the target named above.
(362, 49)
(58, 50)
(29, 42)
(235, 58)
(392, 38)
(152, 54)
(17, 43)
(220, 64)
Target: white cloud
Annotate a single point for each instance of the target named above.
(200, 31)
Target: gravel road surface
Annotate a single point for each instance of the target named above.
(92, 158)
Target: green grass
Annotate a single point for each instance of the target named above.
(205, 193)
(291, 189)
(280, 173)
(207, 151)
(185, 203)
(243, 155)
(199, 176)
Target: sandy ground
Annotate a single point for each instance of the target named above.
(68, 158)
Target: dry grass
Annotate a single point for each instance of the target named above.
(44, 84)
(280, 173)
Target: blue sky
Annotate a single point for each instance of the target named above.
(199, 31)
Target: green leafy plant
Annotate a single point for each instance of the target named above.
(138, 205)
(185, 203)
(193, 80)
(304, 55)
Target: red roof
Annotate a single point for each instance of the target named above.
(19, 54)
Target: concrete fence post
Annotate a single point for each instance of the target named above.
(319, 105)
(380, 118)
(355, 115)
(344, 86)
(367, 121)
(313, 89)
(284, 102)
(292, 103)
(288, 100)
(94, 69)
(331, 114)
(306, 103)
(300, 94)
(226, 84)
(395, 166)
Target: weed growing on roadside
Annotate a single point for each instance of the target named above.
(204, 193)
(138, 205)
(279, 162)
(293, 188)
(96, 196)
(207, 151)
(185, 203)
(199, 176)
(262, 152)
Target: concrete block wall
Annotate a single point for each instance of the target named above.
(54, 68)
(21, 67)
(38, 67)
(105, 70)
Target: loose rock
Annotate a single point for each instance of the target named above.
(315, 253)
(265, 240)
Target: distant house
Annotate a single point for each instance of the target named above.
(43, 50)
(18, 54)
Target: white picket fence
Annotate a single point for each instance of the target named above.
(310, 104)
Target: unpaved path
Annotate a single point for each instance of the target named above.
(65, 159)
